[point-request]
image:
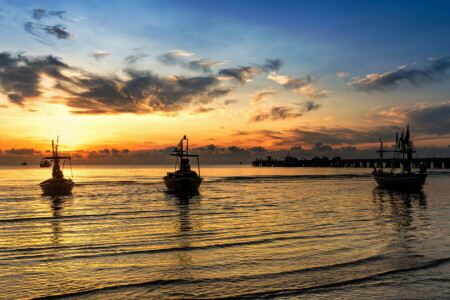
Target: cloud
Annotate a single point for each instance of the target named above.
(271, 65)
(40, 13)
(241, 74)
(311, 135)
(321, 147)
(341, 74)
(179, 57)
(308, 106)
(262, 95)
(23, 151)
(434, 70)
(131, 59)
(425, 118)
(141, 93)
(99, 54)
(201, 110)
(229, 101)
(20, 76)
(275, 113)
(304, 86)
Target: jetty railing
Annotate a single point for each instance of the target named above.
(431, 163)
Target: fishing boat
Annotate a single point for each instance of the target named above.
(184, 179)
(45, 163)
(57, 185)
(403, 153)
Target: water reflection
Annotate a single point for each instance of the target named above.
(57, 205)
(405, 210)
(184, 204)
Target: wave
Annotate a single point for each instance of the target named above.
(260, 295)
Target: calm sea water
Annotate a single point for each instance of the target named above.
(277, 233)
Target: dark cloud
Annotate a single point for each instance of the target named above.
(143, 92)
(20, 76)
(23, 151)
(348, 149)
(308, 106)
(40, 13)
(125, 151)
(271, 65)
(230, 101)
(257, 149)
(59, 31)
(241, 74)
(433, 71)
(106, 151)
(322, 147)
(275, 113)
(235, 149)
(36, 28)
(202, 109)
(430, 118)
(131, 59)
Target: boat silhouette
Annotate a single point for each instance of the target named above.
(57, 185)
(184, 179)
(403, 152)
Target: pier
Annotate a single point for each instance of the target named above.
(337, 162)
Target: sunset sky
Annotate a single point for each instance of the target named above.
(239, 75)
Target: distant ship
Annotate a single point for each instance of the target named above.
(45, 163)
(57, 185)
(406, 179)
(184, 179)
(24, 164)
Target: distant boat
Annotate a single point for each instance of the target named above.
(406, 179)
(24, 164)
(45, 163)
(184, 179)
(57, 185)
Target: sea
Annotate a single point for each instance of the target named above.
(250, 233)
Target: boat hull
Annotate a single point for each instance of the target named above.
(400, 181)
(183, 184)
(53, 187)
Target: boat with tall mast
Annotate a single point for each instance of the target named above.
(403, 153)
(57, 185)
(184, 179)
(44, 163)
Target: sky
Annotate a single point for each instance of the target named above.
(121, 81)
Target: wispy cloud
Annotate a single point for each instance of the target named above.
(262, 95)
(181, 58)
(230, 101)
(341, 74)
(434, 70)
(305, 86)
(275, 113)
(131, 59)
(241, 74)
(99, 54)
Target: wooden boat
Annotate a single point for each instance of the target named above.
(45, 163)
(57, 185)
(184, 179)
(403, 152)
